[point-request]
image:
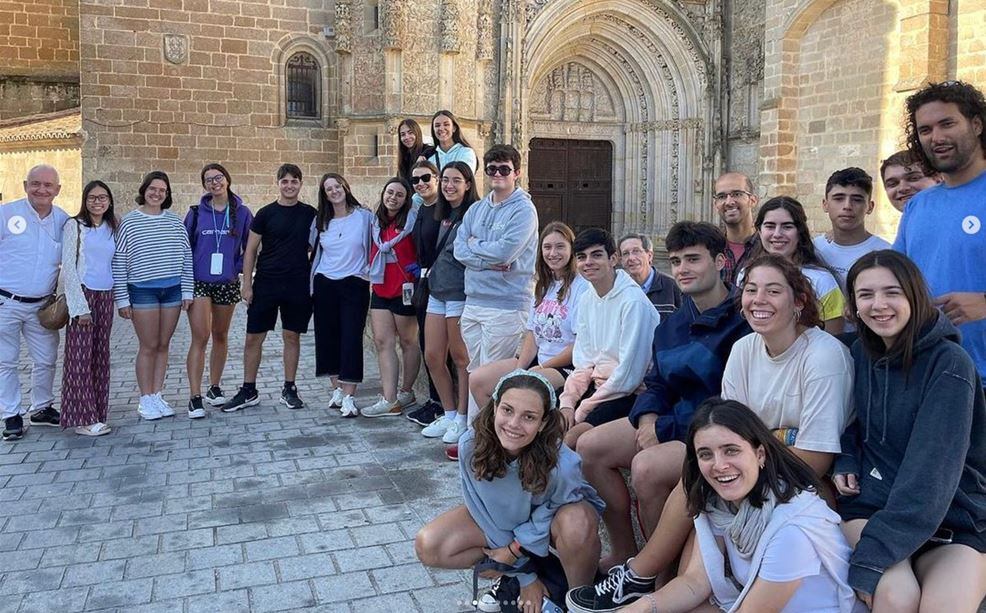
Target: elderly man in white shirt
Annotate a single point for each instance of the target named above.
(31, 252)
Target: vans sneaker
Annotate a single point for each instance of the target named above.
(215, 396)
(348, 408)
(242, 399)
(616, 591)
(382, 408)
(195, 408)
(454, 431)
(437, 428)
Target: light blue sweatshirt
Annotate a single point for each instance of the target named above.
(496, 234)
(505, 511)
(456, 153)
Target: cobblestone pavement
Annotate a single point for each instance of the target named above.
(266, 509)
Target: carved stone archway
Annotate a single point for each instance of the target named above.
(633, 72)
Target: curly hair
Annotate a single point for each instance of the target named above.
(537, 460)
(545, 277)
(783, 473)
(798, 282)
(971, 104)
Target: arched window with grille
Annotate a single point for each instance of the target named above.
(304, 87)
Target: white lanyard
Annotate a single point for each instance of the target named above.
(220, 231)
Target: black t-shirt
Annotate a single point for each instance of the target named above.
(284, 232)
(426, 236)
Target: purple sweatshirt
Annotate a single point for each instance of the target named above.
(212, 225)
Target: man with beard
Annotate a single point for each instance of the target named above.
(735, 201)
(942, 229)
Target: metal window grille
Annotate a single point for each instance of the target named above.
(304, 87)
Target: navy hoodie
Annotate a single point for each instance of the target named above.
(690, 350)
(918, 445)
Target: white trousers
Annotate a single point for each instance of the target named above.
(17, 319)
(490, 335)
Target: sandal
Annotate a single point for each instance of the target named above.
(96, 429)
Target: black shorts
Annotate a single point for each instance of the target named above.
(394, 305)
(851, 508)
(611, 410)
(270, 296)
(223, 293)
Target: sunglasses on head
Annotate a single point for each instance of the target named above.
(504, 171)
(425, 177)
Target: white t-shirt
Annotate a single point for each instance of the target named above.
(841, 258)
(553, 322)
(344, 248)
(790, 556)
(99, 245)
(808, 387)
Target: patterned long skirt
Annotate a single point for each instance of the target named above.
(86, 371)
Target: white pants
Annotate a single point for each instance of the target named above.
(18, 318)
(490, 335)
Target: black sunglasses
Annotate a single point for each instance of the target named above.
(426, 178)
(503, 171)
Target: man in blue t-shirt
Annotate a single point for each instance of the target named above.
(944, 227)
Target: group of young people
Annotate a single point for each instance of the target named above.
(805, 431)
(775, 465)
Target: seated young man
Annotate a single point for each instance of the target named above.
(615, 324)
(689, 355)
(904, 175)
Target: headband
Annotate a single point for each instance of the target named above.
(520, 372)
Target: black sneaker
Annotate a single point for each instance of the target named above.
(616, 591)
(47, 416)
(215, 396)
(242, 399)
(195, 408)
(13, 428)
(290, 399)
(426, 414)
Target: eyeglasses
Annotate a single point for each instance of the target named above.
(735, 194)
(425, 177)
(215, 180)
(493, 170)
(101, 198)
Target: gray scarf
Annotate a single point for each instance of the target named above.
(746, 525)
(385, 253)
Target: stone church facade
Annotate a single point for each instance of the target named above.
(624, 110)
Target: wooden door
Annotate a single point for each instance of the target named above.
(571, 181)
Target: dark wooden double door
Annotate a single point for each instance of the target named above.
(572, 181)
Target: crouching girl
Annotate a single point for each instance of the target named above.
(523, 490)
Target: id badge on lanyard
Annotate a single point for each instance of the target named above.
(216, 261)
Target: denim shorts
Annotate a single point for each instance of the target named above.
(452, 308)
(154, 297)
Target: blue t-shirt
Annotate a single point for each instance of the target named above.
(944, 231)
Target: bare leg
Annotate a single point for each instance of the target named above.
(898, 590)
(385, 341)
(253, 350)
(575, 534)
(952, 578)
(199, 321)
(292, 353)
(146, 324)
(604, 450)
(460, 357)
(407, 332)
(484, 379)
(166, 329)
(436, 355)
(222, 315)
(451, 540)
(669, 537)
(654, 472)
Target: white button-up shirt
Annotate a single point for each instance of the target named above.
(30, 249)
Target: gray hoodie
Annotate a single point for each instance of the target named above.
(499, 234)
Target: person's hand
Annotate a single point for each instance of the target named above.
(847, 484)
(567, 418)
(866, 598)
(186, 304)
(646, 433)
(532, 596)
(84, 320)
(413, 269)
(503, 555)
(126, 312)
(246, 294)
(962, 307)
(500, 267)
(583, 411)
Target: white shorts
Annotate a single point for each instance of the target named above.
(452, 308)
(491, 334)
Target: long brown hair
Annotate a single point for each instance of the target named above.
(325, 210)
(799, 283)
(918, 297)
(804, 254)
(545, 277)
(406, 157)
(400, 219)
(537, 460)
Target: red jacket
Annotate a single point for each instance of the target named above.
(394, 275)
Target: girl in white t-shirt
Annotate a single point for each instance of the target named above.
(795, 377)
(547, 343)
(764, 540)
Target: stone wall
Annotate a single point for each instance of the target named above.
(15, 165)
(174, 84)
(743, 62)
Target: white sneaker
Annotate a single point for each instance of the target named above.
(437, 428)
(488, 603)
(148, 408)
(348, 408)
(455, 430)
(165, 409)
(406, 399)
(336, 401)
(382, 408)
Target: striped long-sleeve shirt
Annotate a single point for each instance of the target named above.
(151, 247)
